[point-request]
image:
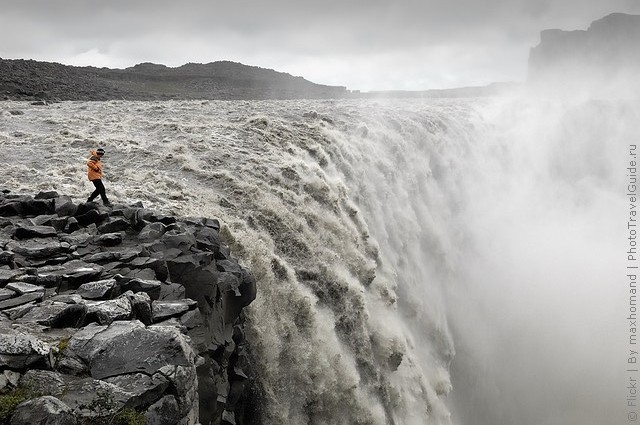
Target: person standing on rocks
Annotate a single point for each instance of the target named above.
(94, 172)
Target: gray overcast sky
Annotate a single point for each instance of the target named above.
(367, 45)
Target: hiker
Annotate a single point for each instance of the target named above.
(94, 172)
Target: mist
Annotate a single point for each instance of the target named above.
(538, 305)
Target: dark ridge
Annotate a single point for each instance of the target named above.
(224, 80)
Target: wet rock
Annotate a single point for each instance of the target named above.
(114, 225)
(72, 225)
(43, 410)
(151, 287)
(89, 217)
(97, 290)
(64, 207)
(152, 231)
(165, 309)
(179, 240)
(11, 209)
(47, 195)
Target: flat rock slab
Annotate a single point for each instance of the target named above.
(56, 315)
(24, 288)
(38, 247)
(163, 310)
(74, 273)
(27, 232)
(97, 290)
(20, 300)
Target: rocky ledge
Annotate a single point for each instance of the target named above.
(118, 315)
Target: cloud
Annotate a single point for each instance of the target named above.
(337, 42)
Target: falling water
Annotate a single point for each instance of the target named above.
(418, 262)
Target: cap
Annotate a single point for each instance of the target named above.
(100, 151)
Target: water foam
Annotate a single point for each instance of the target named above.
(379, 233)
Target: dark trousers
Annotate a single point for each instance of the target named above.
(100, 190)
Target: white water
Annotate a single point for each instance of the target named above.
(494, 230)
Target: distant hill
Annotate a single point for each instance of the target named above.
(29, 79)
(608, 52)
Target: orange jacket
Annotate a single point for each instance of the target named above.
(94, 167)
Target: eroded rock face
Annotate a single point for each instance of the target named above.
(102, 309)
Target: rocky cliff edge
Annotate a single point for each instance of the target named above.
(118, 315)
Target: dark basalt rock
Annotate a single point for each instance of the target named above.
(124, 304)
(43, 410)
(34, 232)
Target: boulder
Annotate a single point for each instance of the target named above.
(19, 350)
(56, 315)
(52, 194)
(106, 312)
(164, 412)
(108, 239)
(9, 379)
(44, 382)
(64, 206)
(114, 225)
(45, 410)
(108, 351)
(97, 290)
(141, 306)
(151, 287)
(143, 389)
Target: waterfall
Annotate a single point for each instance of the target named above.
(418, 261)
